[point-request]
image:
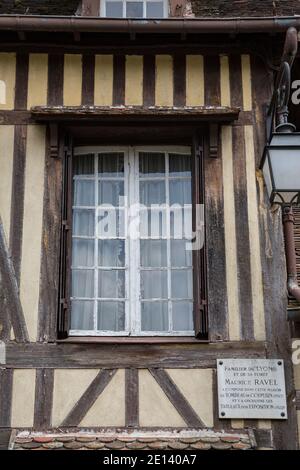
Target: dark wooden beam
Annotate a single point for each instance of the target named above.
(131, 397)
(43, 398)
(298, 399)
(6, 384)
(93, 356)
(177, 398)
(89, 397)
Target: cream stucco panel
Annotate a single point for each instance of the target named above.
(7, 80)
(72, 79)
(69, 386)
(37, 80)
(23, 398)
(164, 80)
(155, 407)
(6, 165)
(297, 376)
(194, 80)
(197, 387)
(134, 80)
(109, 408)
(104, 70)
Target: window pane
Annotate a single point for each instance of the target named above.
(180, 256)
(110, 223)
(111, 192)
(111, 164)
(83, 222)
(111, 316)
(155, 9)
(153, 223)
(180, 165)
(152, 192)
(154, 316)
(83, 164)
(84, 193)
(114, 9)
(182, 316)
(82, 317)
(153, 253)
(154, 284)
(111, 284)
(181, 284)
(83, 252)
(180, 192)
(134, 9)
(111, 253)
(152, 164)
(83, 283)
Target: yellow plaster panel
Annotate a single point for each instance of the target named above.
(104, 80)
(164, 80)
(197, 387)
(6, 165)
(23, 398)
(255, 258)
(72, 79)
(230, 236)
(154, 406)
(69, 386)
(134, 80)
(297, 376)
(194, 80)
(37, 80)
(32, 235)
(225, 82)
(109, 408)
(7, 80)
(246, 82)
(237, 423)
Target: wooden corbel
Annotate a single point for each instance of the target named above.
(213, 140)
(54, 144)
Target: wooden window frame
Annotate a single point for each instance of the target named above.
(165, 8)
(198, 256)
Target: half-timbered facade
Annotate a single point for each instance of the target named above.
(118, 337)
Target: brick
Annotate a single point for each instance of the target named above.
(64, 439)
(241, 446)
(221, 446)
(230, 439)
(31, 445)
(157, 445)
(94, 445)
(114, 445)
(23, 440)
(147, 439)
(210, 440)
(136, 445)
(200, 446)
(73, 445)
(85, 439)
(43, 440)
(177, 445)
(53, 445)
(189, 440)
(106, 439)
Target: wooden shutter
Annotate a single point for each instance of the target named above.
(199, 255)
(65, 246)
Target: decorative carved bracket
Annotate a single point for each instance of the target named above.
(213, 140)
(53, 132)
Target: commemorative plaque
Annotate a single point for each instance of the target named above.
(251, 389)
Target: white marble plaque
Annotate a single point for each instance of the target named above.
(251, 388)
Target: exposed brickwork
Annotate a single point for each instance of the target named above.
(95, 441)
(39, 7)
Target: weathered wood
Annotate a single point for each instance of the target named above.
(264, 438)
(55, 79)
(17, 199)
(235, 77)
(89, 397)
(49, 279)
(219, 424)
(212, 80)
(298, 399)
(119, 80)
(178, 356)
(90, 8)
(43, 398)
(149, 80)
(6, 384)
(179, 79)
(4, 438)
(9, 286)
(88, 79)
(22, 66)
(177, 398)
(242, 234)
(131, 397)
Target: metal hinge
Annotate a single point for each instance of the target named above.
(65, 225)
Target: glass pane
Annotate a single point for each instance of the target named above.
(153, 253)
(286, 176)
(83, 283)
(84, 193)
(110, 223)
(134, 9)
(181, 284)
(111, 316)
(152, 164)
(111, 192)
(82, 252)
(180, 192)
(111, 284)
(182, 316)
(114, 9)
(83, 164)
(180, 256)
(83, 222)
(152, 192)
(155, 10)
(82, 316)
(153, 223)
(154, 284)
(181, 221)
(154, 316)
(180, 165)
(111, 253)
(111, 164)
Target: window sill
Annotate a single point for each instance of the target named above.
(132, 340)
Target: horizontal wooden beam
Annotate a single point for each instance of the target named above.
(178, 356)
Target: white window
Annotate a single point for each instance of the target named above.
(134, 8)
(131, 266)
